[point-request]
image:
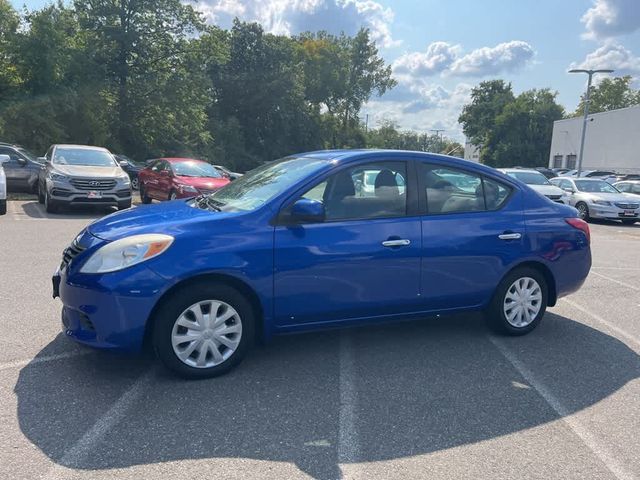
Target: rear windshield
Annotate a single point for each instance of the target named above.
(83, 156)
(530, 178)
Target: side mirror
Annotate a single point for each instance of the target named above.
(123, 163)
(43, 159)
(4, 159)
(569, 190)
(307, 211)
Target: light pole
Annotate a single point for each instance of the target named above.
(586, 111)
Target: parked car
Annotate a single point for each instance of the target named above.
(538, 182)
(22, 168)
(559, 171)
(294, 246)
(569, 173)
(131, 167)
(596, 173)
(547, 172)
(82, 175)
(228, 173)
(628, 186)
(595, 198)
(171, 178)
(3, 184)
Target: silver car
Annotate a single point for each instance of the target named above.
(595, 198)
(82, 175)
(3, 185)
(629, 186)
(538, 182)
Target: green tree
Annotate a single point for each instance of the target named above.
(610, 94)
(9, 76)
(478, 118)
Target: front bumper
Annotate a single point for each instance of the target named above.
(108, 311)
(612, 212)
(62, 191)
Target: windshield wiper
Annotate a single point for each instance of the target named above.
(208, 202)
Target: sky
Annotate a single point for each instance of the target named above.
(440, 49)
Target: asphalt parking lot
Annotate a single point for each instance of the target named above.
(437, 398)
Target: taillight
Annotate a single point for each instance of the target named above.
(580, 225)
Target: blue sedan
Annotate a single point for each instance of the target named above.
(314, 241)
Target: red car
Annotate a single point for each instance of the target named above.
(171, 178)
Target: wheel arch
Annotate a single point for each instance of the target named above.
(552, 294)
(215, 277)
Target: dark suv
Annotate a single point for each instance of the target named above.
(22, 169)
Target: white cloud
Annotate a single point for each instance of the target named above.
(610, 18)
(290, 17)
(504, 57)
(436, 59)
(614, 56)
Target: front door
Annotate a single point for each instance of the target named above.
(363, 261)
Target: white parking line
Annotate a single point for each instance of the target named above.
(630, 338)
(347, 433)
(77, 454)
(624, 284)
(591, 442)
(43, 359)
(615, 268)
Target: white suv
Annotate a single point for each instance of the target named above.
(3, 185)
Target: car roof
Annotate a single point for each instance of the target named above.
(180, 159)
(520, 170)
(79, 147)
(628, 181)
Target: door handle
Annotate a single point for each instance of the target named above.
(396, 243)
(510, 236)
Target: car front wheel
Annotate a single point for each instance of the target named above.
(203, 331)
(519, 302)
(50, 205)
(40, 194)
(583, 211)
(144, 198)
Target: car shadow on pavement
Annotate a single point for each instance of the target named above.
(36, 210)
(420, 387)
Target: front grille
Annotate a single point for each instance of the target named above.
(71, 252)
(93, 183)
(554, 197)
(627, 206)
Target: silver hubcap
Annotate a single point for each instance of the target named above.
(134, 183)
(522, 302)
(582, 210)
(206, 334)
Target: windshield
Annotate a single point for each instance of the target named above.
(530, 178)
(83, 156)
(27, 154)
(260, 185)
(595, 186)
(195, 168)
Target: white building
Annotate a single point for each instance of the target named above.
(612, 142)
(471, 152)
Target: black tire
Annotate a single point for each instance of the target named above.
(40, 194)
(171, 309)
(143, 196)
(495, 316)
(50, 205)
(583, 211)
(172, 195)
(3, 207)
(124, 205)
(629, 221)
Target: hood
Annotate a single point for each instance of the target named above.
(609, 197)
(87, 171)
(547, 189)
(206, 183)
(166, 217)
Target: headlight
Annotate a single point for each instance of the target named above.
(188, 189)
(56, 176)
(125, 179)
(601, 202)
(126, 252)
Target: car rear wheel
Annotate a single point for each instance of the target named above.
(173, 196)
(134, 183)
(519, 302)
(583, 211)
(143, 195)
(203, 331)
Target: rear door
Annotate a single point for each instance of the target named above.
(472, 229)
(16, 171)
(363, 261)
